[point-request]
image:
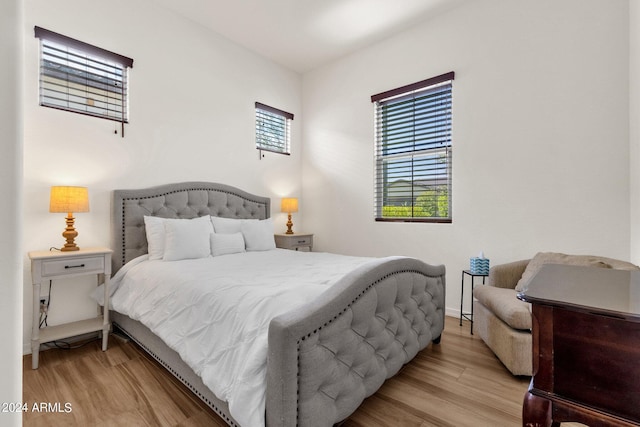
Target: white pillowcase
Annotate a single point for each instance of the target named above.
(187, 239)
(226, 243)
(227, 225)
(258, 235)
(155, 230)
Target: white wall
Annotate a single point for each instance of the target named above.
(10, 215)
(540, 134)
(634, 126)
(192, 118)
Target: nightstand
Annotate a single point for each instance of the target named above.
(50, 265)
(295, 241)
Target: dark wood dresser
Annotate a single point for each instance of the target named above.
(586, 347)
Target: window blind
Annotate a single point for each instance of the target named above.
(82, 78)
(273, 129)
(413, 152)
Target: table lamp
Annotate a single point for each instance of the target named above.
(69, 200)
(289, 205)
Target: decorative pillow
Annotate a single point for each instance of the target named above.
(154, 228)
(187, 239)
(542, 258)
(227, 225)
(258, 235)
(230, 243)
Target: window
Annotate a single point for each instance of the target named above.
(413, 152)
(78, 77)
(273, 129)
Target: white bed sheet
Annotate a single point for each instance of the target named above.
(215, 312)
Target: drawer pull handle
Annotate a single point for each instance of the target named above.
(74, 266)
(301, 241)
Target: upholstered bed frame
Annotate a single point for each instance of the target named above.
(324, 358)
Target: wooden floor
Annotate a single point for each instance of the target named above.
(456, 383)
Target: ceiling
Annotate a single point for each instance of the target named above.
(304, 34)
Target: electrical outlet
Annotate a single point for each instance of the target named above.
(44, 300)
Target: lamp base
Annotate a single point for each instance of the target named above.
(289, 225)
(70, 234)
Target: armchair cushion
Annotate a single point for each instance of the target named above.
(504, 303)
(507, 275)
(542, 258)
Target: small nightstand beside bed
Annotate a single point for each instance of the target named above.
(284, 337)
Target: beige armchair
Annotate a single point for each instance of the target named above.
(503, 321)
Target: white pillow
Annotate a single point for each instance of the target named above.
(227, 225)
(187, 239)
(154, 228)
(222, 244)
(258, 235)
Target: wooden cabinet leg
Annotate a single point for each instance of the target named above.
(536, 412)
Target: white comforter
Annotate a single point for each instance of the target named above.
(215, 312)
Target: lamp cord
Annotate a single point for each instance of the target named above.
(44, 314)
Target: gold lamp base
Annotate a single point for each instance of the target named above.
(70, 235)
(289, 225)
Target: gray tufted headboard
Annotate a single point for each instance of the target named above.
(181, 200)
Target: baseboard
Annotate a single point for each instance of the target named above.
(452, 312)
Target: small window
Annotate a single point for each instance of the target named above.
(78, 77)
(413, 152)
(273, 129)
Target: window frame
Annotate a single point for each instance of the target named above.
(429, 155)
(272, 115)
(96, 57)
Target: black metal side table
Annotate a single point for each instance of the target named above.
(469, 316)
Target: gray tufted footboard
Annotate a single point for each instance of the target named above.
(328, 356)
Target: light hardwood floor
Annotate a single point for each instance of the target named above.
(456, 383)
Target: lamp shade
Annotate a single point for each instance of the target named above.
(289, 205)
(69, 199)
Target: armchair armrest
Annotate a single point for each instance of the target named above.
(507, 275)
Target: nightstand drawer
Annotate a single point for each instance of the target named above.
(301, 241)
(72, 266)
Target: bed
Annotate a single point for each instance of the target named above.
(325, 356)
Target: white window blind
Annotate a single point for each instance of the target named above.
(82, 78)
(413, 152)
(273, 129)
